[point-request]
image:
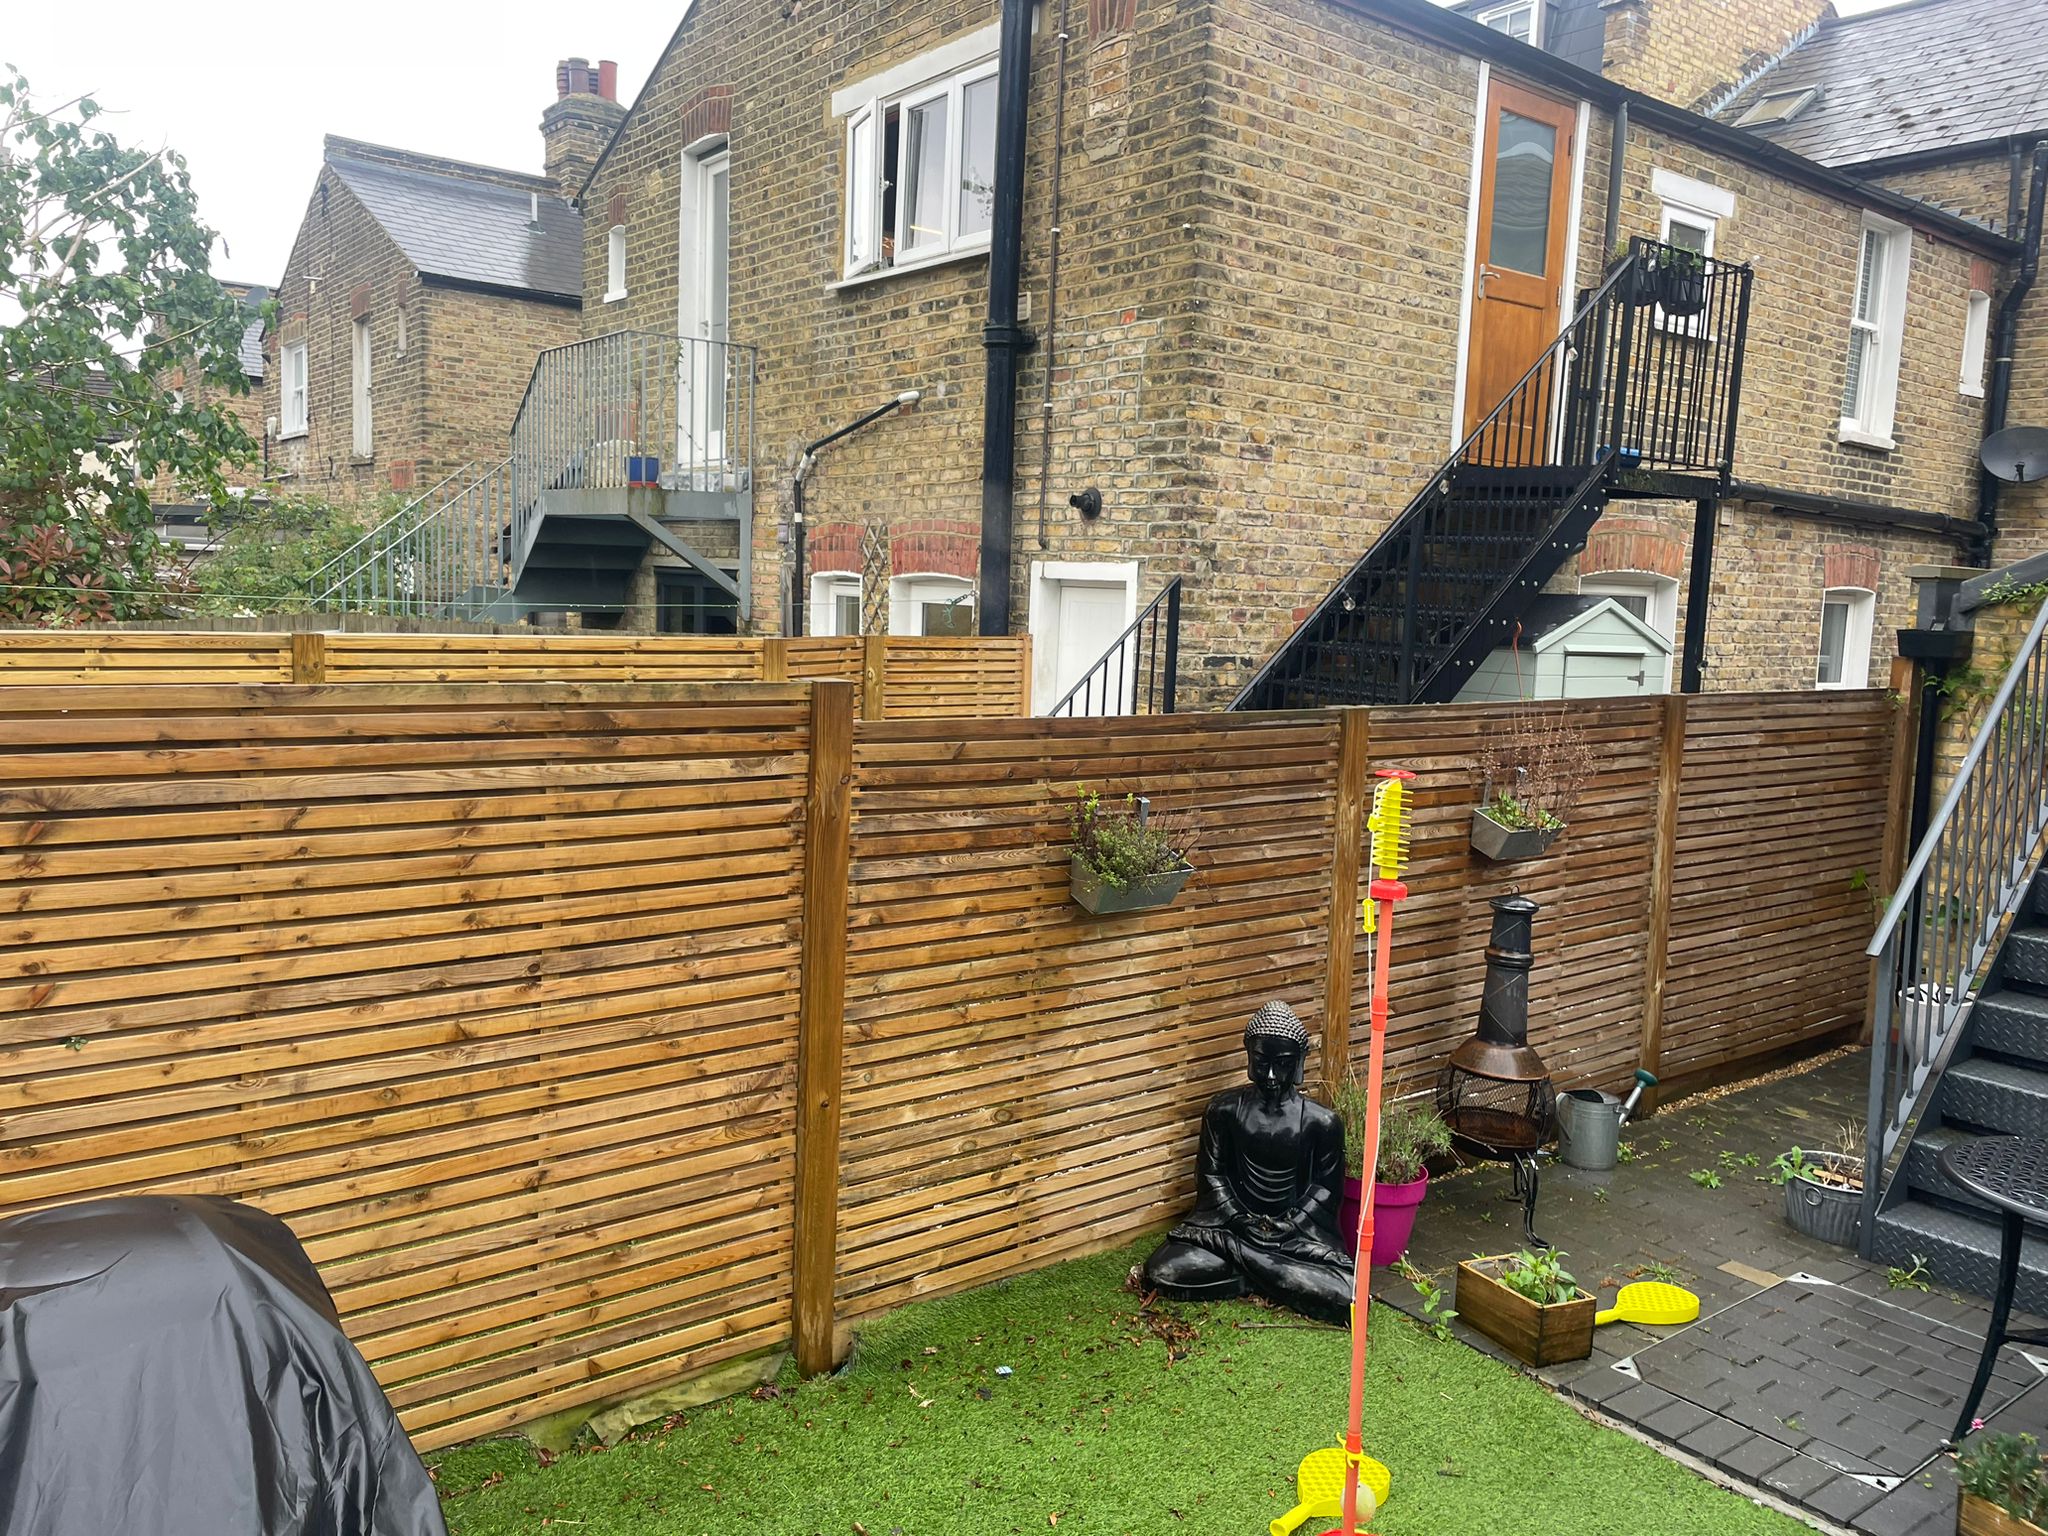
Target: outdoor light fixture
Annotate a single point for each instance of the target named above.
(1088, 503)
(805, 463)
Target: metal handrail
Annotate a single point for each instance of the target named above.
(1965, 881)
(1155, 664)
(379, 536)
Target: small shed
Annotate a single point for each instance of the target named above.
(1574, 647)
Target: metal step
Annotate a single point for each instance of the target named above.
(2013, 1023)
(1997, 1095)
(2039, 894)
(1960, 1251)
(2025, 957)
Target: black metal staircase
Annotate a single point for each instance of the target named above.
(1637, 397)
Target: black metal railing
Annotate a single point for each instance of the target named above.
(1967, 879)
(1647, 376)
(1135, 676)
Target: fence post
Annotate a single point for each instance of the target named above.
(774, 660)
(874, 677)
(1901, 792)
(1663, 856)
(309, 657)
(1354, 747)
(828, 825)
(1023, 677)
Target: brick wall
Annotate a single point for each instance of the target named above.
(1683, 51)
(443, 399)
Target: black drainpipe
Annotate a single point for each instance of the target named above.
(2005, 337)
(1001, 336)
(1617, 161)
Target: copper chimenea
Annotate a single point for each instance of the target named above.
(1496, 1094)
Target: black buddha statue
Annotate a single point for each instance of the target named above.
(1266, 1185)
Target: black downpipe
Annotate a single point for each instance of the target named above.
(1617, 162)
(2005, 339)
(1001, 337)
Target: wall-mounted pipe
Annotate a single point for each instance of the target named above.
(1002, 337)
(2004, 340)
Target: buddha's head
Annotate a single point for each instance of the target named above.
(1276, 1053)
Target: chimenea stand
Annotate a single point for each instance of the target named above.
(1495, 1094)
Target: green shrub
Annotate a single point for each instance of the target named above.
(2007, 1471)
(1118, 842)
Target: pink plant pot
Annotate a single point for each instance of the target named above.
(1393, 1217)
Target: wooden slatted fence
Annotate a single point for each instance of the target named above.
(901, 676)
(590, 1035)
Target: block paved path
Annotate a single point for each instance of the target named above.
(1809, 1374)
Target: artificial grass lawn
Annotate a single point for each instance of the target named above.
(1096, 1431)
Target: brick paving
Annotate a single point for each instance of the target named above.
(1808, 1374)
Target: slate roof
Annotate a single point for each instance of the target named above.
(472, 230)
(1920, 78)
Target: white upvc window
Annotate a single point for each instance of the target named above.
(931, 605)
(1692, 211)
(920, 167)
(291, 369)
(1847, 615)
(359, 386)
(1877, 330)
(1522, 20)
(1976, 335)
(835, 603)
(615, 265)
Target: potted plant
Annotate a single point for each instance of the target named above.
(1411, 1133)
(1529, 1304)
(2004, 1487)
(1681, 282)
(1532, 774)
(1125, 859)
(1824, 1189)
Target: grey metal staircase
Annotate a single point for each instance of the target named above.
(1960, 1007)
(1628, 400)
(621, 442)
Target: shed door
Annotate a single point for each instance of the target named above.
(1525, 171)
(1606, 674)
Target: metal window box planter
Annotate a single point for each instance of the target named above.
(1104, 900)
(1493, 841)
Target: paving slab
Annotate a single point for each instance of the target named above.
(1811, 1374)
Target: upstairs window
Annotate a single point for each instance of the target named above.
(920, 168)
(291, 359)
(359, 380)
(1976, 333)
(615, 265)
(1778, 107)
(1847, 615)
(1522, 21)
(1877, 328)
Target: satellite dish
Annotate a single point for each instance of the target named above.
(2018, 454)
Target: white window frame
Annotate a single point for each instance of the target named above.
(908, 594)
(1976, 343)
(1660, 609)
(1492, 19)
(827, 587)
(951, 70)
(292, 389)
(1856, 635)
(1870, 424)
(362, 441)
(401, 332)
(1761, 111)
(615, 264)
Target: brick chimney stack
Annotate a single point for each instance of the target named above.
(580, 122)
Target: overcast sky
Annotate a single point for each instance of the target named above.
(244, 91)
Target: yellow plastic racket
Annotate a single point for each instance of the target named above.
(1652, 1302)
(1319, 1485)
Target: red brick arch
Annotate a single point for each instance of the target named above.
(833, 547)
(1851, 565)
(1631, 544)
(935, 551)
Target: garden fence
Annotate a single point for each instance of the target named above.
(594, 1036)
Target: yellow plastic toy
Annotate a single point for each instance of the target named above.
(1652, 1302)
(1319, 1485)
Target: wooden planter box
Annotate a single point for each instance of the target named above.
(1493, 841)
(1140, 895)
(1533, 1334)
(1981, 1517)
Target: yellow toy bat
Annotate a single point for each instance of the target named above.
(1319, 1486)
(1652, 1302)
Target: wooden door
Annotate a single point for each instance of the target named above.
(1525, 169)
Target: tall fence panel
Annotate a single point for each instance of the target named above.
(492, 998)
(1024, 1081)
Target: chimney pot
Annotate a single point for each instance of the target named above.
(608, 79)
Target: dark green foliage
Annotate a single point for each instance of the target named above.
(267, 558)
(1119, 845)
(1541, 1277)
(1411, 1133)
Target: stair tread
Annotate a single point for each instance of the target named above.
(1941, 1223)
(2021, 999)
(2001, 1074)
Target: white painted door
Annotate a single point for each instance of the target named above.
(1090, 617)
(706, 301)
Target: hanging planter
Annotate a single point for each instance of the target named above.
(1493, 839)
(1124, 858)
(1682, 284)
(1531, 774)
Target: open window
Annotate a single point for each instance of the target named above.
(1877, 329)
(1847, 615)
(931, 605)
(1976, 335)
(920, 167)
(835, 603)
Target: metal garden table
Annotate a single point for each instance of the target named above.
(2010, 1173)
